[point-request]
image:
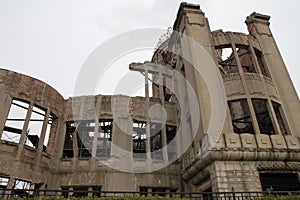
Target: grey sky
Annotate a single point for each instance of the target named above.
(51, 39)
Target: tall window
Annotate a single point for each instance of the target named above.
(279, 116)
(85, 136)
(156, 141)
(84, 131)
(240, 116)
(35, 127)
(15, 121)
(246, 60)
(263, 116)
(242, 119)
(139, 140)
(171, 142)
(261, 64)
(226, 60)
(104, 141)
(68, 145)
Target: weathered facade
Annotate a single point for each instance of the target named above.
(79, 143)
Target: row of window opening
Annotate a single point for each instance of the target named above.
(81, 135)
(250, 62)
(242, 120)
(38, 122)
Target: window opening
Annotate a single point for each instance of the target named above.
(263, 116)
(3, 182)
(35, 127)
(156, 141)
(240, 116)
(246, 60)
(226, 61)
(96, 191)
(261, 64)
(279, 181)
(80, 192)
(68, 145)
(279, 117)
(104, 141)
(85, 136)
(65, 192)
(21, 188)
(171, 142)
(139, 140)
(166, 86)
(15, 121)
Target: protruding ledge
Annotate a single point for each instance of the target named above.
(257, 17)
(260, 16)
(180, 12)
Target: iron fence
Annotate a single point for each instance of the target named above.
(29, 193)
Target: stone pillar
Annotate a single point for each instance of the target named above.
(199, 48)
(24, 131)
(121, 146)
(237, 176)
(258, 26)
(5, 102)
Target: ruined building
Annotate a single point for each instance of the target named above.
(164, 141)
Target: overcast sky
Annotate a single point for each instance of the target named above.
(51, 39)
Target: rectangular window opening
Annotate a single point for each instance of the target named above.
(15, 121)
(97, 191)
(167, 88)
(279, 116)
(3, 183)
(261, 64)
(171, 142)
(85, 137)
(263, 116)
(21, 188)
(80, 192)
(246, 60)
(68, 145)
(35, 125)
(156, 141)
(104, 139)
(279, 181)
(226, 61)
(22, 184)
(51, 121)
(240, 116)
(139, 140)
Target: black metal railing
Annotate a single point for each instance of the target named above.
(30, 193)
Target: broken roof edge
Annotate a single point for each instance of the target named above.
(181, 12)
(258, 17)
(33, 78)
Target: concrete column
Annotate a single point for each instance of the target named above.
(75, 143)
(148, 145)
(96, 136)
(258, 26)
(43, 131)
(163, 130)
(42, 137)
(5, 102)
(24, 131)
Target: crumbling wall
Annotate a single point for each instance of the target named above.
(28, 140)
